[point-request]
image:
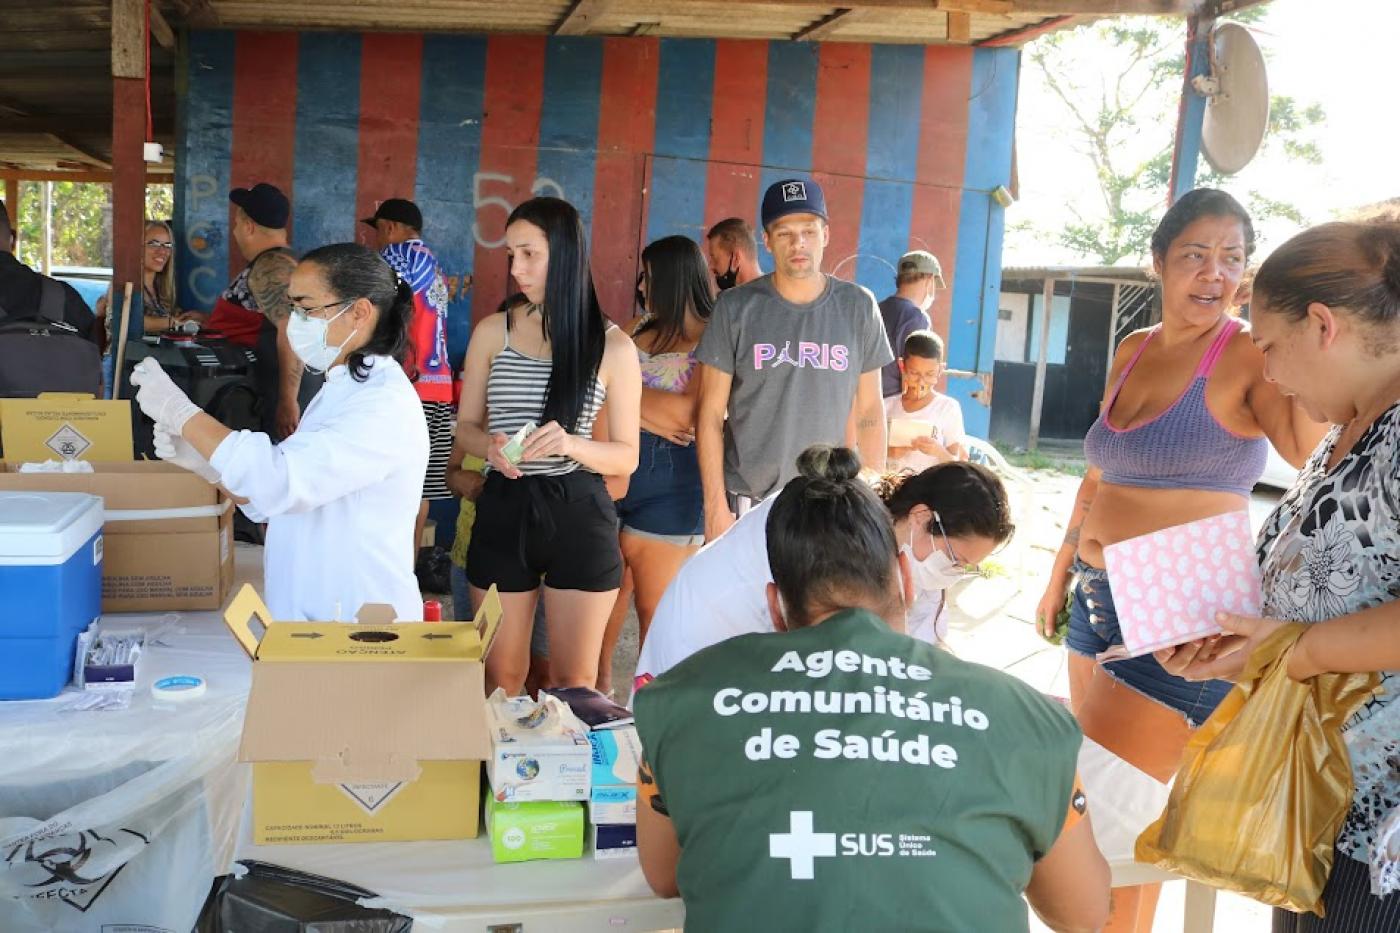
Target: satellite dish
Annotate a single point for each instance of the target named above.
(1237, 113)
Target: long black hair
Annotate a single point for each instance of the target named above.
(571, 316)
(969, 499)
(830, 539)
(355, 271)
(679, 281)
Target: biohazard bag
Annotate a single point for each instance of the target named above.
(1264, 784)
(133, 847)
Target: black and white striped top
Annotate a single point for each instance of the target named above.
(515, 392)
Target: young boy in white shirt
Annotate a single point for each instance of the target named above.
(934, 418)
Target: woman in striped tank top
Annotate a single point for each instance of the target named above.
(546, 518)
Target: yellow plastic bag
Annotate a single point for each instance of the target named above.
(1264, 784)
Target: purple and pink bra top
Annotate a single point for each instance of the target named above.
(1185, 447)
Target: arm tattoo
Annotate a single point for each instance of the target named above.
(1072, 537)
(268, 280)
(865, 424)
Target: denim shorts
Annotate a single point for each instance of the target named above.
(1093, 628)
(664, 498)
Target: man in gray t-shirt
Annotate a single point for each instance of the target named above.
(793, 357)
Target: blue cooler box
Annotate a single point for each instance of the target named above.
(50, 587)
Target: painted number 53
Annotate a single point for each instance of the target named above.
(483, 200)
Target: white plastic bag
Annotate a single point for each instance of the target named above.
(134, 848)
(1123, 801)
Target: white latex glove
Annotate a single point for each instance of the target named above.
(172, 448)
(160, 398)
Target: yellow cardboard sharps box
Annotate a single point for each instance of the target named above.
(367, 732)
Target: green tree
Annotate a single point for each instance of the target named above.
(1116, 86)
(81, 221)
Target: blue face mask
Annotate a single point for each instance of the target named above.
(307, 336)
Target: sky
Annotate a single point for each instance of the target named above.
(1339, 53)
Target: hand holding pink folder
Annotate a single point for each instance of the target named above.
(1168, 585)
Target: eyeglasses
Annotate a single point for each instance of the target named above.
(306, 313)
(160, 244)
(946, 543)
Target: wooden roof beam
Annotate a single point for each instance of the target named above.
(582, 16)
(87, 153)
(1011, 7)
(160, 29)
(199, 14)
(1107, 7)
(959, 27)
(827, 26)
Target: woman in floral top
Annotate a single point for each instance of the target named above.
(1327, 318)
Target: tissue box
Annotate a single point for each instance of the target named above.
(614, 841)
(522, 832)
(539, 751)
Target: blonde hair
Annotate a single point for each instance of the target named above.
(164, 284)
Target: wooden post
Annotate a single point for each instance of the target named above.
(1038, 397)
(1191, 113)
(128, 139)
(47, 262)
(1112, 333)
(12, 208)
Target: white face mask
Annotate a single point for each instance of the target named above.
(936, 572)
(927, 302)
(307, 336)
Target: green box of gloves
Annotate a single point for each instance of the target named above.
(546, 829)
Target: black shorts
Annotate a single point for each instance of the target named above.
(559, 529)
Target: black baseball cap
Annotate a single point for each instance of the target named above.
(792, 196)
(264, 204)
(401, 210)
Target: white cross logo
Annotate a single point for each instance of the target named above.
(794, 191)
(800, 845)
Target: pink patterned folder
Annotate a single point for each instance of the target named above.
(1168, 586)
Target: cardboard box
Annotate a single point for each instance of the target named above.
(614, 841)
(539, 751)
(616, 755)
(365, 732)
(168, 534)
(65, 426)
(612, 797)
(612, 806)
(522, 832)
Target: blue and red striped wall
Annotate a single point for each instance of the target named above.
(648, 137)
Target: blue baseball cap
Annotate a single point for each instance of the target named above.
(792, 196)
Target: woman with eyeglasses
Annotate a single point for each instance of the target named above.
(339, 496)
(157, 282)
(946, 519)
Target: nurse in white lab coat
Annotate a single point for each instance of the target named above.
(946, 518)
(339, 496)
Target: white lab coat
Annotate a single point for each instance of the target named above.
(340, 497)
(722, 591)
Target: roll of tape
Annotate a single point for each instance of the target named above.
(184, 687)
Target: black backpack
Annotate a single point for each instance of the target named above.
(43, 353)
